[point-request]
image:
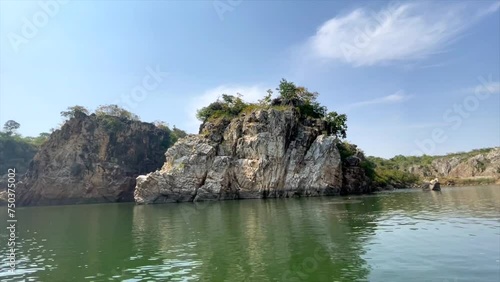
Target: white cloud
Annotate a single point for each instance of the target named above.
(399, 32)
(397, 97)
(250, 94)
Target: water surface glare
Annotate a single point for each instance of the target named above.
(406, 235)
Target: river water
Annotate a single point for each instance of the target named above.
(405, 235)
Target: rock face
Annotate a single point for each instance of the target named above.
(263, 154)
(355, 181)
(91, 159)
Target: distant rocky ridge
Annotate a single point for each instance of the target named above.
(266, 153)
(92, 159)
(483, 165)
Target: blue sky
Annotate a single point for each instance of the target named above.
(413, 77)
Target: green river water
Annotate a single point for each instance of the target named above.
(406, 235)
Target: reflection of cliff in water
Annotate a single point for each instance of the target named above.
(313, 239)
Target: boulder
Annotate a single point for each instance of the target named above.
(434, 185)
(431, 185)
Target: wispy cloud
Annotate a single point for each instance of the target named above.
(395, 98)
(250, 93)
(399, 32)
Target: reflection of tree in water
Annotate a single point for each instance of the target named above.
(286, 240)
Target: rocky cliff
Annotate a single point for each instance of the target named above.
(265, 153)
(92, 159)
(355, 180)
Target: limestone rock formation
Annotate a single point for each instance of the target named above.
(267, 153)
(92, 159)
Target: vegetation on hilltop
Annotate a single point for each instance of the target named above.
(290, 96)
(16, 151)
(401, 162)
(115, 118)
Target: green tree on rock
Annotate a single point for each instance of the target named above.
(336, 124)
(72, 111)
(116, 111)
(11, 126)
(289, 96)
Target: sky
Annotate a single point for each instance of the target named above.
(413, 77)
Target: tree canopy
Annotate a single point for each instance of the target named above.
(11, 126)
(71, 111)
(116, 111)
(290, 95)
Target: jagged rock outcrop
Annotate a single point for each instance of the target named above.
(262, 154)
(92, 159)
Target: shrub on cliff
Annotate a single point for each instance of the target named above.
(290, 96)
(230, 106)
